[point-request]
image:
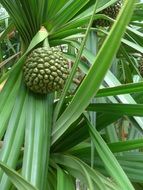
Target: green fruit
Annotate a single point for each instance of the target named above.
(45, 70)
(111, 11)
(141, 66)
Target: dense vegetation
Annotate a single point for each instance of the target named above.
(89, 134)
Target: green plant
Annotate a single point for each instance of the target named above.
(9, 44)
(49, 141)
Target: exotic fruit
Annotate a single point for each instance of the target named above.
(111, 11)
(45, 70)
(141, 66)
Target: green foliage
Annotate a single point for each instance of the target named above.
(90, 137)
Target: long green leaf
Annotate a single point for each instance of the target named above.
(120, 109)
(91, 83)
(63, 15)
(74, 163)
(14, 136)
(8, 96)
(82, 171)
(109, 160)
(37, 139)
(74, 68)
(16, 179)
(64, 180)
(126, 145)
(122, 89)
(111, 91)
(9, 92)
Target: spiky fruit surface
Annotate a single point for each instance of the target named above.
(141, 66)
(111, 11)
(45, 70)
